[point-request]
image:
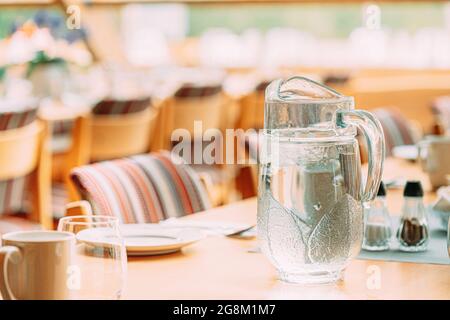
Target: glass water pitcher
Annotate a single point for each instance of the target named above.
(311, 191)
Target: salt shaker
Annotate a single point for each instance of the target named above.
(413, 233)
(377, 223)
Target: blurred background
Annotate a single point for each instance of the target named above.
(86, 67)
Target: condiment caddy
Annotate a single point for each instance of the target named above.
(412, 233)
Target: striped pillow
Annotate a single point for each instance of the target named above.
(109, 106)
(60, 127)
(141, 189)
(17, 119)
(13, 195)
(191, 91)
(12, 191)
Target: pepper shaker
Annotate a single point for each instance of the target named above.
(413, 232)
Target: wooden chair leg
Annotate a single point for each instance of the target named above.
(40, 185)
(79, 153)
(246, 181)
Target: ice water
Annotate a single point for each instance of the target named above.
(310, 220)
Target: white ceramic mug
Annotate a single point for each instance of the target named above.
(434, 155)
(34, 264)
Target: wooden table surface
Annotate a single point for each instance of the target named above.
(222, 268)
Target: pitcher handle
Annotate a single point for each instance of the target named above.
(6, 253)
(373, 133)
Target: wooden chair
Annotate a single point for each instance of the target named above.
(215, 110)
(114, 129)
(252, 108)
(190, 104)
(69, 137)
(251, 117)
(25, 151)
(122, 135)
(78, 208)
(111, 129)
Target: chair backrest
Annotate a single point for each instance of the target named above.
(142, 188)
(111, 106)
(189, 104)
(19, 150)
(189, 91)
(17, 119)
(23, 151)
(252, 108)
(12, 191)
(115, 136)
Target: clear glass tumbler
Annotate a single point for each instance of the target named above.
(99, 266)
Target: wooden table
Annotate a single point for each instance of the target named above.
(222, 268)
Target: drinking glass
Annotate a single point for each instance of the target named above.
(99, 266)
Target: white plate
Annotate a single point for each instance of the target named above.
(144, 239)
(407, 152)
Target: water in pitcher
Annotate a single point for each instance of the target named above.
(310, 197)
(310, 219)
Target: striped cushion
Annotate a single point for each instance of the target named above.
(14, 120)
(142, 188)
(13, 195)
(332, 79)
(190, 91)
(110, 106)
(12, 192)
(397, 130)
(61, 127)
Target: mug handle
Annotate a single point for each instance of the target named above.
(373, 133)
(6, 253)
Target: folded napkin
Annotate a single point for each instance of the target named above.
(208, 227)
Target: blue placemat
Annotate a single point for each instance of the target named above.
(437, 252)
